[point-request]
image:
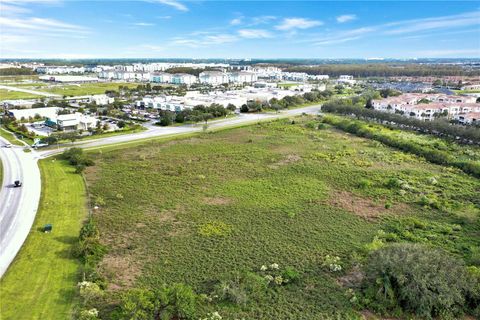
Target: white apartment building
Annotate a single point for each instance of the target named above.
(409, 105)
(346, 79)
(243, 77)
(213, 77)
(160, 77)
(183, 78)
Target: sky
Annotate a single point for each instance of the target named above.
(72, 29)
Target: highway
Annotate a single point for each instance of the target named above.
(18, 206)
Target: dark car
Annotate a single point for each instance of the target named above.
(17, 184)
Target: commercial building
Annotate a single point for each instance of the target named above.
(49, 112)
(68, 79)
(71, 122)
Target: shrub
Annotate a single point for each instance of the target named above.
(77, 158)
(418, 279)
(174, 302)
(332, 263)
(240, 287)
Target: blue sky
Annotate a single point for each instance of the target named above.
(238, 29)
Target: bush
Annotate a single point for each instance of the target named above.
(240, 287)
(417, 279)
(77, 158)
(175, 302)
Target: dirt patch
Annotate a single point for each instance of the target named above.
(217, 201)
(362, 207)
(352, 279)
(288, 159)
(93, 173)
(123, 270)
(368, 315)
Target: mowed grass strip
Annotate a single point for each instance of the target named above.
(10, 137)
(40, 283)
(13, 95)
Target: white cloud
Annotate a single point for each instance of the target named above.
(236, 21)
(448, 52)
(164, 17)
(7, 9)
(335, 41)
(262, 20)
(6, 38)
(254, 33)
(143, 24)
(346, 17)
(220, 38)
(446, 22)
(207, 40)
(172, 3)
(297, 23)
(40, 24)
(151, 47)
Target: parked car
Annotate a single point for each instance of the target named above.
(8, 145)
(17, 184)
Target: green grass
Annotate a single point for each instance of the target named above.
(40, 283)
(466, 91)
(87, 88)
(192, 210)
(10, 137)
(288, 85)
(13, 95)
(7, 79)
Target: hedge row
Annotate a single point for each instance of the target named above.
(362, 129)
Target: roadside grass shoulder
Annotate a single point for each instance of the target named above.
(10, 137)
(41, 281)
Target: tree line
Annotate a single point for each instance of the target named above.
(383, 70)
(439, 127)
(431, 154)
(16, 72)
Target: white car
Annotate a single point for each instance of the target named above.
(8, 145)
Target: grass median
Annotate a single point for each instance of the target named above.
(40, 283)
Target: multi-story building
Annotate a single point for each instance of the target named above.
(213, 77)
(160, 77)
(183, 78)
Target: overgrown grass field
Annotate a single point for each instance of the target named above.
(41, 281)
(194, 210)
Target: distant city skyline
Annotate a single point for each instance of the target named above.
(238, 29)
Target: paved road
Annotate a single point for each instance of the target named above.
(40, 93)
(18, 206)
(155, 131)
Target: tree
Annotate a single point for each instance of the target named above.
(176, 302)
(421, 280)
(231, 107)
(180, 117)
(165, 121)
(244, 108)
